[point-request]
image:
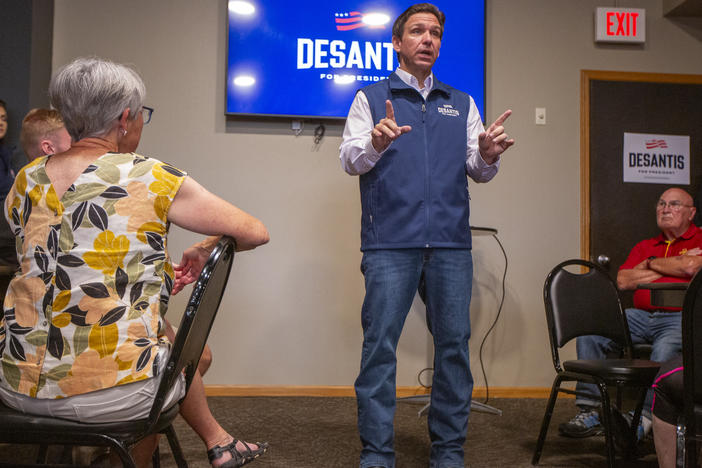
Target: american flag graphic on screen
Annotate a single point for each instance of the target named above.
(349, 21)
(352, 20)
(650, 144)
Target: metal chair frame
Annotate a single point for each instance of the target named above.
(589, 304)
(190, 340)
(690, 422)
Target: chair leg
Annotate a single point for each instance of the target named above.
(175, 447)
(156, 459)
(619, 395)
(680, 445)
(42, 454)
(67, 454)
(122, 451)
(635, 421)
(547, 420)
(607, 424)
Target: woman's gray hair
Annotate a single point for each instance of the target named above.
(91, 93)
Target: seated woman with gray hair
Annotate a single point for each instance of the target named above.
(82, 333)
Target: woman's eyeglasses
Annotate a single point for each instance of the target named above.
(146, 113)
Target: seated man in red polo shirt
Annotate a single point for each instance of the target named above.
(672, 256)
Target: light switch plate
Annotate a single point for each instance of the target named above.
(540, 116)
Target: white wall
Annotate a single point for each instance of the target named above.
(291, 315)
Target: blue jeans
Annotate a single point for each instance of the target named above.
(662, 330)
(391, 278)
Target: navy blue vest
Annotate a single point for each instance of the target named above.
(417, 194)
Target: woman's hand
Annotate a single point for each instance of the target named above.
(190, 266)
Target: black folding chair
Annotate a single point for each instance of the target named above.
(21, 428)
(689, 431)
(587, 303)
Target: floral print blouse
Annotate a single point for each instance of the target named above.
(84, 311)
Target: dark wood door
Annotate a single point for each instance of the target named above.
(617, 214)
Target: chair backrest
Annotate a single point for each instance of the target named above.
(692, 351)
(197, 321)
(585, 303)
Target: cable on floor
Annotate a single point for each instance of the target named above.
(497, 317)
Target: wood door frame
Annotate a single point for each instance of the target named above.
(586, 76)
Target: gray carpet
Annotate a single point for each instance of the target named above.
(321, 432)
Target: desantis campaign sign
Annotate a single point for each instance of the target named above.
(656, 159)
(308, 58)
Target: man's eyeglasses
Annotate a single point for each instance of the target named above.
(146, 113)
(674, 205)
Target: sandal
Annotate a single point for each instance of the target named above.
(238, 458)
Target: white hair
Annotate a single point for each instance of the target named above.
(91, 93)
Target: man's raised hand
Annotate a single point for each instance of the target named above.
(494, 141)
(387, 130)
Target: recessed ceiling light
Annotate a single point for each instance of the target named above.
(244, 80)
(241, 7)
(376, 19)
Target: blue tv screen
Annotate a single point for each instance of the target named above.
(307, 59)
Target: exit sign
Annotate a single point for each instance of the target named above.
(620, 25)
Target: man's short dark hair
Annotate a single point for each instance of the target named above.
(398, 28)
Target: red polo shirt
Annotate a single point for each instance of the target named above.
(659, 246)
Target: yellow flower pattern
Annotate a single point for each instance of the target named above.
(84, 311)
(109, 252)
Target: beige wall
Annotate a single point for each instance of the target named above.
(291, 313)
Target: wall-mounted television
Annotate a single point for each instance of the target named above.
(307, 59)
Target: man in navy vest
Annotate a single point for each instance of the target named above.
(413, 140)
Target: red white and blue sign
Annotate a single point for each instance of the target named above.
(307, 59)
(656, 159)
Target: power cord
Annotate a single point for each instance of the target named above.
(319, 134)
(497, 317)
(419, 377)
(482, 344)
